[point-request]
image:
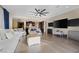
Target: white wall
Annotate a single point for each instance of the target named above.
(1, 19)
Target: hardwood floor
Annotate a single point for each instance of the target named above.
(49, 44)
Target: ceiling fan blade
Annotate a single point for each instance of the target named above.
(43, 14)
(36, 10)
(43, 10)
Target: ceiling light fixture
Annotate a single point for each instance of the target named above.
(40, 12)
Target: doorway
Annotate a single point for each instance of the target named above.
(20, 24)
(41, 26)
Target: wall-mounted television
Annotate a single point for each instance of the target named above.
(73, 22)
(50, 24)
(60, 23)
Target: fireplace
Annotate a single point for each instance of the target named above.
(49, 31)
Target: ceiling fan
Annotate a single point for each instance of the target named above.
(40, 12)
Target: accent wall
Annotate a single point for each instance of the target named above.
(6, 18)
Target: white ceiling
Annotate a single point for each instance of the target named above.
(20, 11)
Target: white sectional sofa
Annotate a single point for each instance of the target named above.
(9, 40)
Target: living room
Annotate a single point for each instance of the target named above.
(39, 29)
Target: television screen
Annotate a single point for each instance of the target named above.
(50, 24)
(61, 23)
(73, 22)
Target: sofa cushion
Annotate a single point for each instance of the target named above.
(9, 35)
(3, 35)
